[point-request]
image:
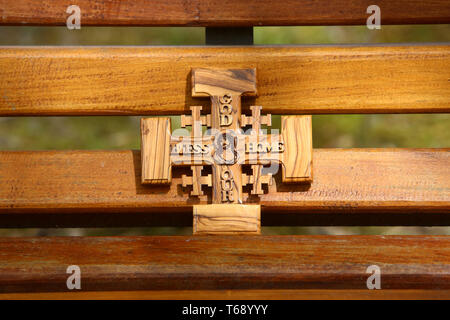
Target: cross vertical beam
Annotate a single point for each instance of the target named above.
(225, 94)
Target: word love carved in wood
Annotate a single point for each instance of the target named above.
(232, 141)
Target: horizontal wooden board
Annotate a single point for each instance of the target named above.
(289, 294)
(103, 188)
(290, 80)
(222, 12)
(224, 262)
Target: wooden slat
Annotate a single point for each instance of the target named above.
(103, 188)
(305, 294)
(290, 80)
(224, 262)
(222, 12)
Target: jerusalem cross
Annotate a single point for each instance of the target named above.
(225, 146)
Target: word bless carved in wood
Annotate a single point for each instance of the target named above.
(232, 141)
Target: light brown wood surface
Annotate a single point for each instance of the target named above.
(224, 262)
(222, 12)
(307, 294)
(103, 188)
(226, 219)
(291, 80)
(155, 150)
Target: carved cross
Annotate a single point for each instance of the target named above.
(232, 139)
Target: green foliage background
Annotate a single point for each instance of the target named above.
(330, 131)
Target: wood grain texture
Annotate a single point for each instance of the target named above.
(226, 219)
(224, 262)
(155, 150)
(223, 12)
(297, 156)
(306, 294)
(208, 82)
(103, 188)
(291, 80)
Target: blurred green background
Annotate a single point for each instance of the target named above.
(329, 131)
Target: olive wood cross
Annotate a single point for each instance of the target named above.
(225, 146)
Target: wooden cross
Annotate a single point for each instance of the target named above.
(226, 146)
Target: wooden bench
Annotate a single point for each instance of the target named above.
(350, 187)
